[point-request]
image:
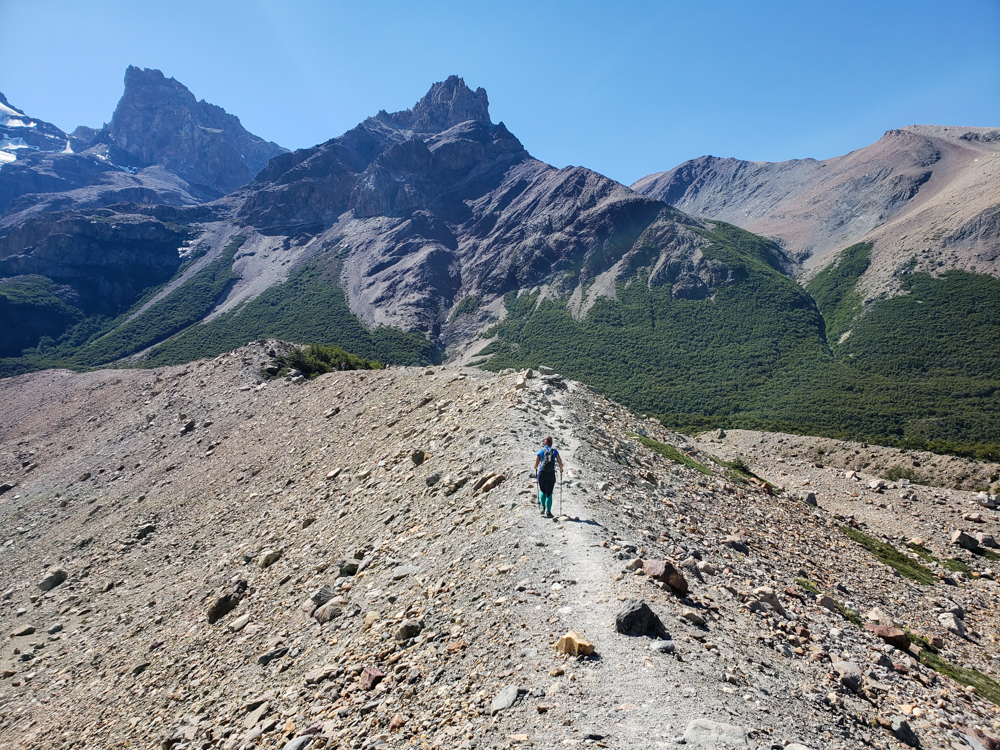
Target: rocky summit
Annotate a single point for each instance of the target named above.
(202, 557)
(162, 146)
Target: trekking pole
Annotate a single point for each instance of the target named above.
(560, 493)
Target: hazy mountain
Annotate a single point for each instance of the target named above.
(925, 196)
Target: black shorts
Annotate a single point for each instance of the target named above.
(546, 481)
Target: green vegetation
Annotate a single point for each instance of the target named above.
(889, 555)
(308, 306)
(31, 308)
(182, 307)
(467, 306)
(895, 473)
(833, 288)
(669, 451)
(984, 685)
(808, 585)
(916, 372)
(316, 359)
(846, 612)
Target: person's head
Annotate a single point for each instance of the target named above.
(548, 442)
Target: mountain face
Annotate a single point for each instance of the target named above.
(433, 234)
(159, 122)
(162, 146)
(926, 193)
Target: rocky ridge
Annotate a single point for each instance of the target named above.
(924, 192)
(198, 557)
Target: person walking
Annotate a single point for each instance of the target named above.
(545, 466)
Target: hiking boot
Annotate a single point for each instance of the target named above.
(543, 511)
(548, 514)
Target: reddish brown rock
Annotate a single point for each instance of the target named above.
(893, 636)
(661, 570)
(371, 677)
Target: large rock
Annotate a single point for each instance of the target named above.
(893, 636)
(662, 570)
(574, 644)
(53, 577)
(635, 618)
(504, 699)
(227, 601)
(849, 673)
(371, 676)
(712, 735)
(963, 540)
(329, 611)
(269, 558)
(953, 624)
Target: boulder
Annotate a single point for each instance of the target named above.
(371, 676)
(408, 629)
(417, 457)
(329, 611)
(901, 730)
(53, 577)
(504, 699)
(766, 594)
(736, 544)
(635, 618)
(269, 558)
(347, 567)
(574, 644)
(714, 735)
(227, 601)
(986, 540)
(891, 635)
(963, 540)
(323, 594)
(849, 673)
(662, 570)
(953, 624)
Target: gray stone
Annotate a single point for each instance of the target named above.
(953, 624)
(348, 567)
(329, 611)
(323, 594)
(850, 674)
(986, 540)
(433, 479)
(901, 731)
(635, 618)
(417, 457)
(239, 623)
(408, 629)
(403, 571)
(269, 558)
(963, 540)
(298, 743)
(708, 734)
(267, 658)
(663, 647)
(504, 700)
(55, 628)
(53, 577)
(227, 601)
(144, 530)
(809, 498)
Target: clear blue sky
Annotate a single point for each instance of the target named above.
(624, 88)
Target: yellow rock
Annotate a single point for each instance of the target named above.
(574, 644)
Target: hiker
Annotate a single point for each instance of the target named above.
(545, 466)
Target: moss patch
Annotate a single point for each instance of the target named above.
(669, 451)
(889, 555)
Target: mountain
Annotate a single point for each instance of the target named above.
(199, 556)
(924, 196)
(432, 234)
(162, 146)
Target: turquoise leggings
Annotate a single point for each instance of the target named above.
(545, 501)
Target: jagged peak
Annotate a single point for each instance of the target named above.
(445, 105)
(145, 79)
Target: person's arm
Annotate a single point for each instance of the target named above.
(537, 460)
(559, 457)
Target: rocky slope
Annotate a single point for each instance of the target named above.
(922, 192)
(168, 535)
(162, 146)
